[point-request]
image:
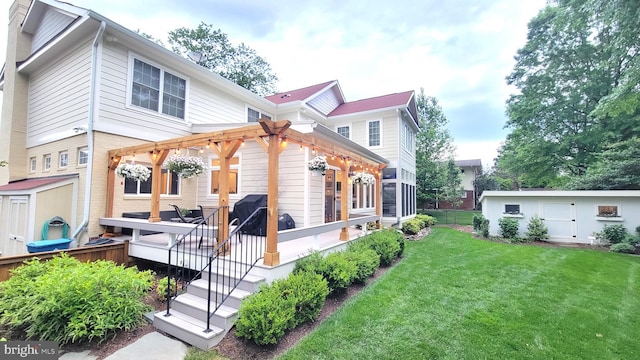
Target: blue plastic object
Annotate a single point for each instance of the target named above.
(48, 245)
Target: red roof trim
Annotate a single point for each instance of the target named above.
(374, 103)
(298, 94)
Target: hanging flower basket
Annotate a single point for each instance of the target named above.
(363, 178)
(185, 166)
(318, 165)
(133, 171)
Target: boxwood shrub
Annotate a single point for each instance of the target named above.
(266, 315)
(65, 300)
(367, 262)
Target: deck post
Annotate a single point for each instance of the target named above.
(157, 158)
(271, 255)
(378, 191)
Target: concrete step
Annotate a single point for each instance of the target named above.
(196, 307)
(249, 283)
(200, 287)
(188, 329)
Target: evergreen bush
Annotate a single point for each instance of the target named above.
(67, 301)
(614, 234)
(623, 247)
(536, 230)
(508, 228)
(367, 262)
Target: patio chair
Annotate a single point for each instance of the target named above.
(188, 219)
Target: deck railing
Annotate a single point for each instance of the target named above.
(226, 262)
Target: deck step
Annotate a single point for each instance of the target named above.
(196, 307)
(188, 329)
(249, 283)
(200, 288)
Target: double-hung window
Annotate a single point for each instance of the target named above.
(344, 131)
(46, 162)
(254, 115)
(63, 159)
(158, 90)
(373, 133)
(32, 164)
(170, 184)
(83, 155)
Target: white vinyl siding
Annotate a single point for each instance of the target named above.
(325, 102)
(59, 96)
(53, 21)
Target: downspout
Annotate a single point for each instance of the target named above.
(89, 173)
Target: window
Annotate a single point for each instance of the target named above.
(46, 162)
(32, 164)
(409, 138)
(512, 209)
(344, 131)
(389, 199)
(170, 184)
(255, 115)
(363, 196)
(83, 156)
(608, 211)
(63, 159)
(234, 167)
(373, 133)
(146, 91)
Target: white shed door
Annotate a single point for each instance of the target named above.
(560, 219)
(15, 245)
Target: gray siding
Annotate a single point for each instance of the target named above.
(59, 96)
(52, 23)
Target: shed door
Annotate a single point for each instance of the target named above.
(560, 219)
(17, 226)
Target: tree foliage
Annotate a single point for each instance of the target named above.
(577, 77)
(240, 64)
(452, 189)
(434, 145)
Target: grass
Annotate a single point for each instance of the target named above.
(456, 297)
(459, 217)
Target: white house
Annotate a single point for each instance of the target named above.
(77, 86)
(570, 216)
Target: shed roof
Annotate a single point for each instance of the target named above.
(32, 183)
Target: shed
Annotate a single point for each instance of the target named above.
(570, 216)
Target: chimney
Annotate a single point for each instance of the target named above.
(13, 123)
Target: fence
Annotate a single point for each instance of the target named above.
(118, 253)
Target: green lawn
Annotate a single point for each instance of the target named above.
(455, 297)
(459, 217)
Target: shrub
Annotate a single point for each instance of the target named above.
(508, 228)
(426, 220)
(340, 272)
(536, 230)
(264, 316)
(309, 291)
(161, 288)
(387, 243)
(314, 263)
(484, 228)
(478, 219)
(367, 262)
(64, 300)
(614, 234)
(412, 226)
(622, 247)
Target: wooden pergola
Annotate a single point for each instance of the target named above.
(272, 137)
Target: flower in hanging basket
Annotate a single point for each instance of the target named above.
(363, 178)
(185, 166)
(133, 171)
(318, 163)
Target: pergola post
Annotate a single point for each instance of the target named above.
(271, 255)
(344, 204)
(225, 151)
(111, 182)
(157, 158)
(379, 198)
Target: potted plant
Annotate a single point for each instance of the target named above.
(363, 178)
(185, 166)
(318, 165)
(133, 171)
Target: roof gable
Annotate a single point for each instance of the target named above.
(302, 94)
(397, 100)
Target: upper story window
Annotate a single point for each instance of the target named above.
(233, 180)
(344, 131)
(32, 164)
(83, 156)
(254, 115)
(46, 162)
(152, 87)
(170, 184)
(409, 138)
(374, 135)
(63, 159)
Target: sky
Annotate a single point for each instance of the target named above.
(458, 51)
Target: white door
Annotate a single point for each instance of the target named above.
(17, 224)
(560, 219)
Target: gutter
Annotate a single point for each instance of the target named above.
(92, 99)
